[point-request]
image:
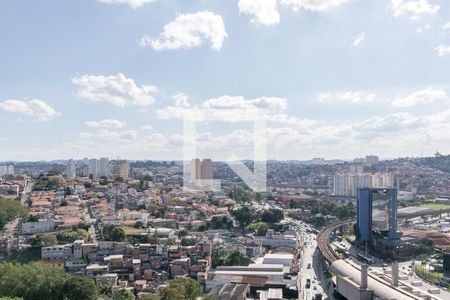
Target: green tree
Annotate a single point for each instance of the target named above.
(243, 215)
(83, 225)
(188, 241)
(183, 289)
(10, 209)
(139, 225)
(202, 227)
(221, 223)
(71, 235)
(183, 233)
(122, 294)
(44, 240)
(113, 233)
(170, 293)
(272, 215)
(239, 194)
(80, 288)
(260, 228)
(32, 218)
(32, 281)
(225, 257)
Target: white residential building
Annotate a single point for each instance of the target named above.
(94, 167)
(104, 167)
(38, 227)
(7, 170)
(71, 169)
(342, 184)
(346, 184)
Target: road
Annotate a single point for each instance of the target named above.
(310, 263)
(26, 193)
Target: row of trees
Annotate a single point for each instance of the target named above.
(244, 216)
(46, 183)
(225, 257)
(37, 281)
(9, 210)
(41, 281)
(316, 206)
(113, 233)
(62, 237)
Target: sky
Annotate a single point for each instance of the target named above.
(117, 78)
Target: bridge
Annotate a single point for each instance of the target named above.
(323, 240)
(431, 212)
(353, 280)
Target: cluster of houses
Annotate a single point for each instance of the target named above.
(152, 252)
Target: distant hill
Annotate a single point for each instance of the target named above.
(440, 162)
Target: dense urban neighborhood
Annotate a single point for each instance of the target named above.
(129, 229)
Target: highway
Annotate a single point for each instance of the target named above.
(310, 262)
(311, 279)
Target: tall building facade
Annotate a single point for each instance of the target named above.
(201, 170)
(342, 184)
(7, 170)
(361, 180)
(104, 167)
(347, 184)
(120, 168)
(376, 214)
(195, 169)
(94, 167)
(71, 169)
(207, 169)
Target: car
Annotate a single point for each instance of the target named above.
(308, 283)
(309, 266)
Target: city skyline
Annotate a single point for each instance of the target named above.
(338, 79)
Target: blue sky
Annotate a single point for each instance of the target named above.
(337, 78)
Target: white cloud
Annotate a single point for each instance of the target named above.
(414, 8)
(273, 104)
(359, 39)
(110, 135)
(266, 12)
(133, 3)
(347, 96)
(37, 109)
(376, 126)
(336, 139)
(443, 50)
(107, 123)
(190, 30)
(262, 11)
(315, 5)
(181, 100)
(227, 109)
(147, 127)
(427, 95)
(446, 26)
(115, 89)
(293, 121)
